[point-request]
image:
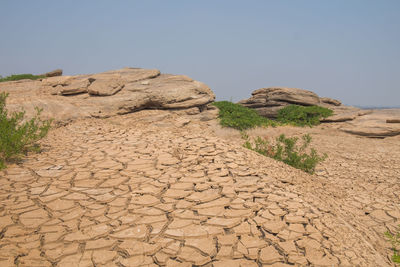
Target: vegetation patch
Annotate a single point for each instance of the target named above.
(288, 151)
(239, 117)
(303, 116)
(16, 77)
(395, 240)
(17, 136)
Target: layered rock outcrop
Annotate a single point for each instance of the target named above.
(268, 101)
(53, 73)
(371, 123)
(107, 94)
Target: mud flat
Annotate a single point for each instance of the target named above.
(173, 188)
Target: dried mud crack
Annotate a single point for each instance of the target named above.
(127, 191)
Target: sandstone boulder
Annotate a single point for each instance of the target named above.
(55, 81)
(268, 101)
(77, 86)
(54, 73)
(105, 87)
(371, 123)
(330, 101)
(107, 94)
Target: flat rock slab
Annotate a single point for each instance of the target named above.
(344, 113)
(375, 124)
(106, 94)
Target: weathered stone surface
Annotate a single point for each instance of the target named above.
(56, 81)
(168, 91)
(330, 101)
(289, 95)
(105, 87)
(130, 74)
(127, 90)
(374, 124)
(54, 73)
(267, 101)
(78, 86)
(371, 123)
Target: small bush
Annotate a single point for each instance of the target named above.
(302, 116)
(16, 77)
(287, 151)
(16, 136)
(239, 117)
(395, 240)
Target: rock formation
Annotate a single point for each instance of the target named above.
(54, 73)
(268, 101)
(330, 101)
(107, 94)
(375, 124)
(372, 123)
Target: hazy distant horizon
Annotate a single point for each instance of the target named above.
(347, 50)
(377, 107)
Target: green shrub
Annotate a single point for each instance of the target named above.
(16, 77)
(395, 240)
(17, 136)
(287, 151)
(239, 117)
(301, 116)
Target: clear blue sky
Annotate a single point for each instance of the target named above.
(345, 49)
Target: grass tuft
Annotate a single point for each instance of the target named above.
(16, 77)
(17, 137)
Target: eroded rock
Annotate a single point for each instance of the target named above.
(370, 123)
(54, 73)
(330, 101)
(267, 101)
(66, 98)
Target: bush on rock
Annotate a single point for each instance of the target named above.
(239, 117)
(17, 136)
(303, 115)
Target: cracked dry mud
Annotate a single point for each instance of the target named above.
(153, 189)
